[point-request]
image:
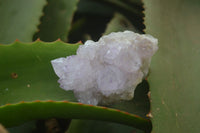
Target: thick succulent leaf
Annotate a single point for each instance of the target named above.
(19, 113)
(57, 19)
(175, 68)
(26, 73)
(19, 19)
(119, 23)
(92, 126)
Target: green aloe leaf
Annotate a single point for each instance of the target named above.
(175, 68)
(56, 21)
(11, 115)
(19, 19)
(26, 73)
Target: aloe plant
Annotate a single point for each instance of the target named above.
(34, 32)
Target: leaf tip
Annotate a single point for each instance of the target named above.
(38, 40)
(90, 105)
(58, 39)
(127, 113)
(37, 101)
(104, 107)
(50, 101)
(17, 40)
(149, 115)
(80, 42)
(65, 101)
(118, 110)
(80, 103)
(7, 104)
(149, 94)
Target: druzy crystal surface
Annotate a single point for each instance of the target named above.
(107, 70)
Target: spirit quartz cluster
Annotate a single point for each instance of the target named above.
(107, 70)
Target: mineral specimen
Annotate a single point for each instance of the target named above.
(108, 70)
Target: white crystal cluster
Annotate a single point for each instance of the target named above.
(108, 70)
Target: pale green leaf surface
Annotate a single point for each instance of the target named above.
(56, 21)
(19, 19)
(174, 78)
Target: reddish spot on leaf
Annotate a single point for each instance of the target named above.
(127, 113)
(118, 110)
(50, 101)
(137, 116)
(38, 39)
(80, 42)
(14, 75)
(104, 107)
